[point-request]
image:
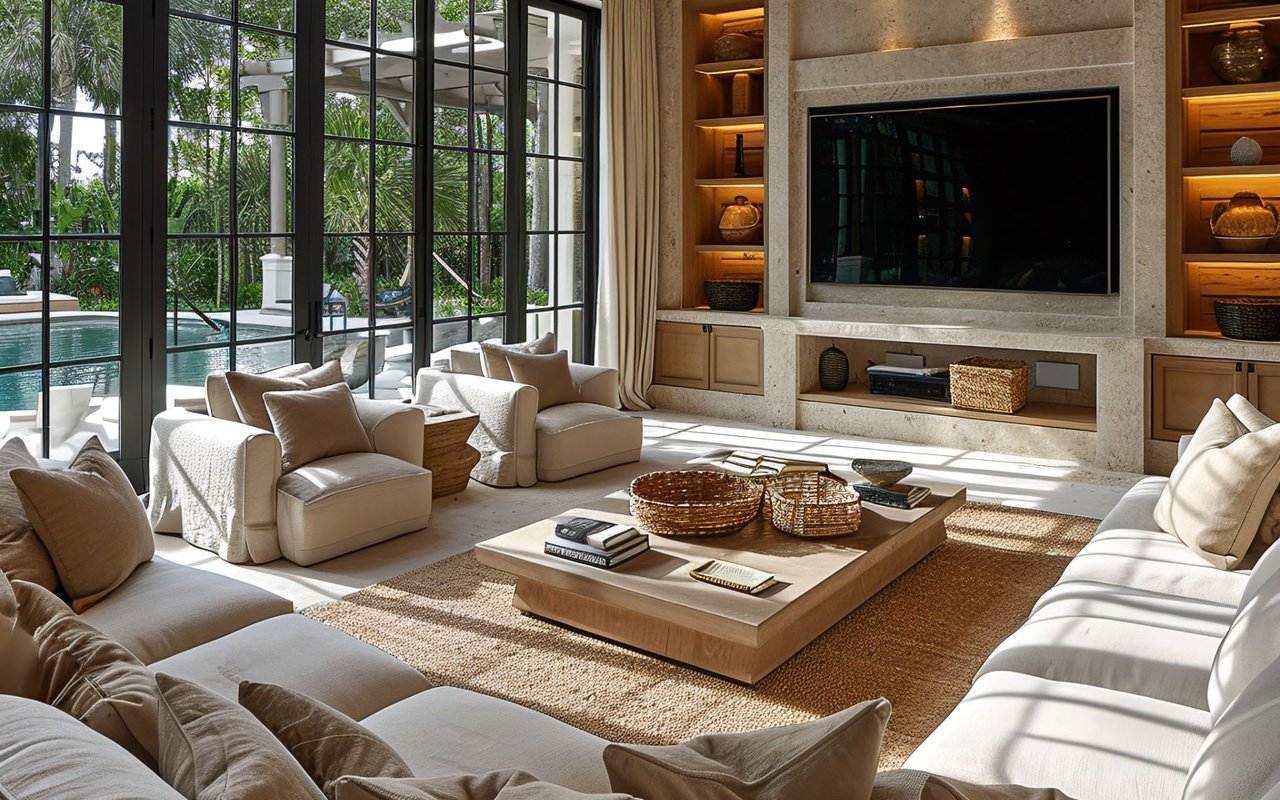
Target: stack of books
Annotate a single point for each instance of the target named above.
(595, 542)
(902, 495)
(754, 465)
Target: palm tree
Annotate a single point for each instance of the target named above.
(86, 55)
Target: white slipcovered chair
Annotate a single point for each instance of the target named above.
(219, 484)
(520, 445)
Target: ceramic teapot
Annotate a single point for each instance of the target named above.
(740, 220)
(1245, 224)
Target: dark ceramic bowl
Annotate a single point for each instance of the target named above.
(880, 472)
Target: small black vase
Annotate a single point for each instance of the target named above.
(833, 370)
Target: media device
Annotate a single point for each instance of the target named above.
(993, 192)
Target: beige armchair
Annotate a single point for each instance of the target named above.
(519, 445)
(219, 484)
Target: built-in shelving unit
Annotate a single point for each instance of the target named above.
(723, 100)
(1210, 114)
(1045, 415)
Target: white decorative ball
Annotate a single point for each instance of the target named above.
(1246, 152)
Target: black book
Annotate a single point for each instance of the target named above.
(900, 496)
(594, 532)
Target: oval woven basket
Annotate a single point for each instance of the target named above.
(1253, 319)
(693, 502)
(813, 506)
(729, 295)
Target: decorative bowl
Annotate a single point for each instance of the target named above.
(1243, 244)
(880, 472)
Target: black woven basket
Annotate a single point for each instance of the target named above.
(1254, 319)
(732, 295)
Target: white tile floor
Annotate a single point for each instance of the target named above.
(481, 512)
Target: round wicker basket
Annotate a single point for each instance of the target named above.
(813, 506)
(693, 502)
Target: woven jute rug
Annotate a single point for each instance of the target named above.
(918, 642)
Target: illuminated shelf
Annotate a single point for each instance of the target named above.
(729, 68)
(1045, 415)
(754, 121)
(1231, 171)
(1231, 258)
(1224, 16)
(728, 248)
(730, 183)
(1231, 90)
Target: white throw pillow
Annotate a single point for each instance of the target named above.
(1221, 487)
(1238, 757)
(1250, 646)
(1254, 420)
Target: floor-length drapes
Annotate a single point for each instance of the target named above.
(630, 268)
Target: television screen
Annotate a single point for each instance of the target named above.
(1006, 193)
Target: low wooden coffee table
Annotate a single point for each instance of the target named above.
(652, 604)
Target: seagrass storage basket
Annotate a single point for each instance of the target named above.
(813, 506)
(989, 384)
(1254, 319)
(693, 502)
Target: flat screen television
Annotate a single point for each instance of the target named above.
(998, 193)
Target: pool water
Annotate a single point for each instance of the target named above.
(99, 337)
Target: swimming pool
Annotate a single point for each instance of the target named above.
(80, 337)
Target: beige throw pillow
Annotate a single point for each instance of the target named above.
(326, 743)
(83, 673)
(550, 375)
(831, 757)
(212, 749)
(90, 520)
(23, 556)
(505, 785)
(1220, 488)
(907, 784)
(247, 390)
(1254, 420)
(315, 424)
(217, 396)
(492, 354)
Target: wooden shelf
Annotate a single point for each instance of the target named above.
(1222, 16)
(1044, 415)
(730, 183)
(1231, 171)
(1231, 258)
(728, 248)
(754, 121)
(756, 310)
(1231, 90)
(730, 68)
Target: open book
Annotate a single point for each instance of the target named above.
(754, 465)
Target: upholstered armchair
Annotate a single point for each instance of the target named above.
(220, 484)
(520, 445)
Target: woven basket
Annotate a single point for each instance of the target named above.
(693, 502)
(732, 295)
(813, 506)
(988, 384)
(1254, 319)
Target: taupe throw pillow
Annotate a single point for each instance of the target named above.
(907, 784)
(1221, 487)
(550, 375)
(492, 354)
(90, 520)
(505, 785)
(22, 554)
(83, 673)
(212, 749)
(217, 396)
(832, 757)
(325, 742)
(247, 390)
(315, 424)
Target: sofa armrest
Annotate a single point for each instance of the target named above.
(599, 385)
(506, 434)
(394, 429)
(1183, 443)
(219, 479)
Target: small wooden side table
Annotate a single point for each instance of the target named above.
(447, 454)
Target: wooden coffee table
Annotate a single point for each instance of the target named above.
(652, 604)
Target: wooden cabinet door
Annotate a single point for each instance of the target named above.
(1182, 389)
(1264, 388)
(681, 357)
(737, 359)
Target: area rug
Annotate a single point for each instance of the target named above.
(918, 642)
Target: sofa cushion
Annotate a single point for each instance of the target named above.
(1250, 646)
(1090, 743)
(325, 742)
(578, 438)
(906, 784)
(212, 749)
(165, 608)
(305, 656)
(1268, 565)
(474, 733)
(834, 756)
(1137, 508)
(504, 785)
(1238, 758)
(312, 424)
(1221, 487)
(88, 676)
(23, 556)
(58, 757)
(344, 503)
(247, 390)
(90, 520)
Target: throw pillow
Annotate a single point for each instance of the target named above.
(1250, 646)
(1238, 757)
(492, 354)
(315, 424)
(18, 668)
(1221, 487)
(550, 375)
(22, 555)
(831, 757)
(465, 359)
(212, 749)
(90, 520)
(908, 784)
(327, 743)
(217, 396)
(1254, 420)
(505, 785)
(247, 390)
(83, 673)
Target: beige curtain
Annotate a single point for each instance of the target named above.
(629, 287)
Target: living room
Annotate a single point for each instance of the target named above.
(654, 399)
